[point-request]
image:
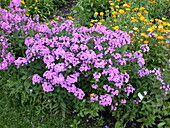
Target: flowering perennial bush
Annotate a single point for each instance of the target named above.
(82, 60)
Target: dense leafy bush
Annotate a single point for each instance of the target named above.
(84, 9)
(45, 8)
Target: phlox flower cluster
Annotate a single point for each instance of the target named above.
(6, 57)
(64, 48)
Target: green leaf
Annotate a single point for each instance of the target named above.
(118, 124)
(161, 124)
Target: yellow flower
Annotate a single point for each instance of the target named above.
(146, 42)
(126, 5)
(71, 18)
(36, 0)
(142, 18)
(99, 23)
(160, 37)
(114, 16)
(151, 20)
(127, 9)
(135, 20)
(121, 11)
(22, 2)
(91, 24)
(94, 21)
(156, 19)
(116, 6)
(145, 11)
(101, 13)
(144, 35)
(107, 11)
(112, 4)
(163, 18)
(112, 8)
(139, 14)
(141, 39)
(27, 14)
(96, 13)
(102, 20)
(116, 27)
(134, 9)
(114, 20)
(118, 0)
(151, 29)
(57, 18)
(149, 23)
(36, 8)
(125, 26)
(145, 20)
(141, 8)
(160, 28)
(136, 29)
(114, 13)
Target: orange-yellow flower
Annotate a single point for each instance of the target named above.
(146, 42)
(160, 37)
(162, 42)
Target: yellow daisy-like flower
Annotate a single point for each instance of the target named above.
(116, 27)
(101, 13)
(127, 9)
(114, 13)
(99, 23)
(91, 24)
(136, 29)
(141, 8)
(117, 6)
(22, 2)
(36, 8)
(112, 4)
(142, 18)
(145, 11)
(96, 13)
(121, 11)
(163, 18)
(135, 9)
(146, 42)
(160, 28)
(114, 20)
(139, 14)
(160, 37)
(102, 20)
(36, 0)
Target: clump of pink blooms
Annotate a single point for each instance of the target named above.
(63, 47)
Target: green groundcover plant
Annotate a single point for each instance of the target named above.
(58, 66)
